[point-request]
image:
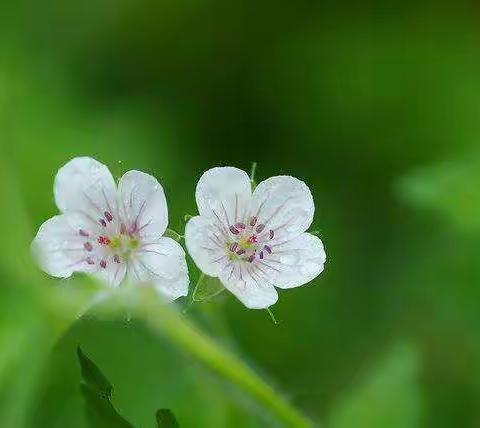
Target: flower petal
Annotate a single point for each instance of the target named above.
(249, 288)
(203, 244)
(284, 205)
(85, 185)
(113, 272)
(59, 248)
(301, 260)
(223, 193)
(163, 264)
(143, 204)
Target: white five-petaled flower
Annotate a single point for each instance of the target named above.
(254, 241)
(111, 232)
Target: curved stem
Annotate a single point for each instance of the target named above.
(164, 319)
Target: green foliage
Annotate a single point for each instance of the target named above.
(97, 392)
(166, 419)
(449, 188)
(387, 396)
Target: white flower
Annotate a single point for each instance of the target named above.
(111, 232)
(253, 242)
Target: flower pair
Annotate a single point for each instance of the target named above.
(251, 241)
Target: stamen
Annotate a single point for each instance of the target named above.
(261, 255)
(108, 216)
(240, 225)
(233, 230)
(103, 240)
(88, 246)
(251, 258)
(103, 222)
(123, 229)
(116, 259)
(83, 233)
(272, 234)
(103, 264)
(90, 261)
(234, 247)
(268, 249)
(253, 221)
(252, 239)
(240, 252)
(260, 228)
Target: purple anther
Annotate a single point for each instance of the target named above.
(241, 251)
(234, 247)
(252, 239)
(261, 255)
(240, 225)
(108, 216)
(233, 230)
(103, 222)
(251, 258)
(253, 221)
(272, 234)
(90, 261)
(260, 228)
(83, 233)
(268, 249)
(133, 228)
(103, 264)
(116, 259)
(88, 246)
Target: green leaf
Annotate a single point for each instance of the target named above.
(207, 288)
(166, 419)
(100, 411)
(388, 396)
(449, 188)
(92, 375)
(97, 392)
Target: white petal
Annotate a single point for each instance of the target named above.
(283, 204)
(58, 247)
(204, 244)
(85, 185)
(163, 265)
(249, 288)
(143, 204)
(301, 260)
(113, 273)
(224, 194)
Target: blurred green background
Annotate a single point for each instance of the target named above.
(375, 105)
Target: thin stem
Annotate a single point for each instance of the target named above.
(166, 320)
(272, 316)
(197, 285)
(170, 233)
(253, 170)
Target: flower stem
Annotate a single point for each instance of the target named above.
(170, 233)
(272, 316)
(166, 320)
(253, 183)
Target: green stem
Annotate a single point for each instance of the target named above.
(165, 319)
(170, 233)
(194, 292)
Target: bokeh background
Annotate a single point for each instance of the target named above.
(375, 105)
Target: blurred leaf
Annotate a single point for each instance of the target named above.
(97, 392)
(100, 411)
(166, 419)
(450, 188)
(92, 375)
(207, 288)
(388, 397)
